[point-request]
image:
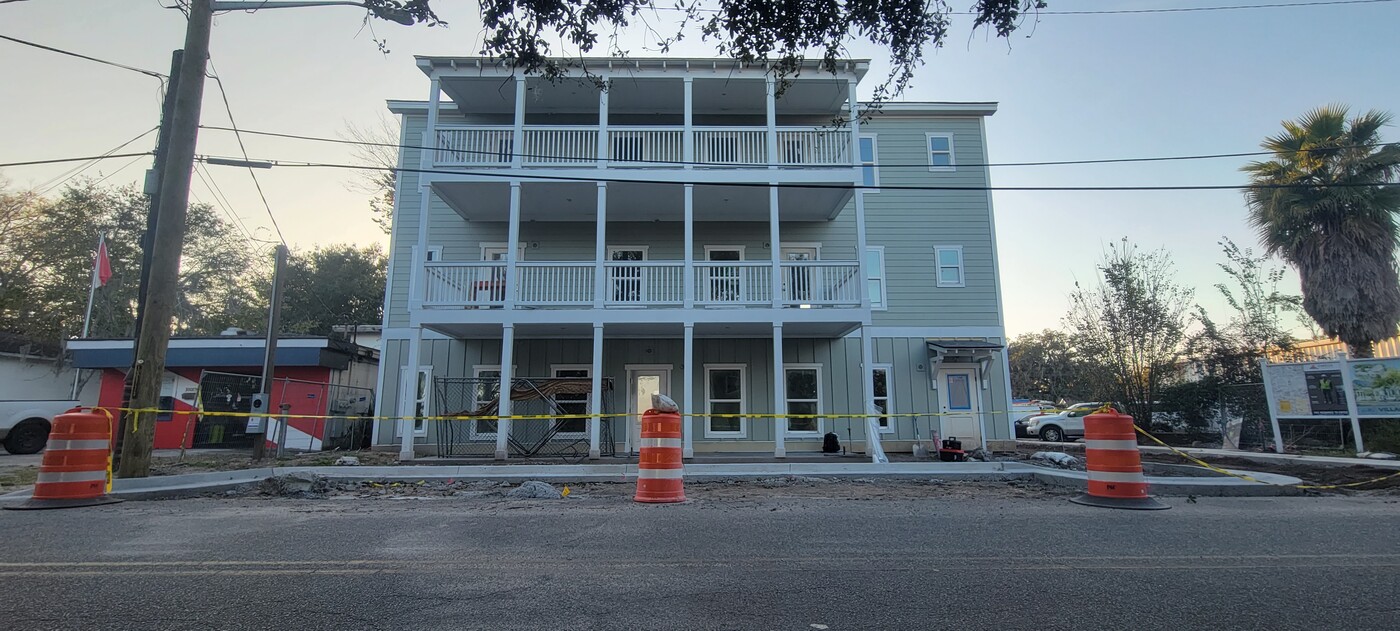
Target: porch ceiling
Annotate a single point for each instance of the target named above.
(630, 95)
(481, 330)
(577, 201)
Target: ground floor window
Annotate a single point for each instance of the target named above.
(487, 384)
(422, 393)
(882, 397)
(804, 397)
(572, 403)
(724, 396)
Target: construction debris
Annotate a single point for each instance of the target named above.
(1056, 459)
(534, 489)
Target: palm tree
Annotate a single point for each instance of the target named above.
(1327, 203)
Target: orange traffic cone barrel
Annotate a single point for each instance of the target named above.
(660, 469)
(1114, 465)
(76, 466)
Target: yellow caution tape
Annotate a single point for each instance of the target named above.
(527, 417)
(1241, 476)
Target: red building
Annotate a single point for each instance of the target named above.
(211, 376)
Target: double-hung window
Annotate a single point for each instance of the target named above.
(804, 397)
(940, 152)
(869, 156)
(421, 390)
(882, 398)
(572, 404)
(724, 401)
(950, 265)
(875, 276)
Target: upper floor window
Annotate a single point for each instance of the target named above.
(869, 172)
(940, 152)
(875, 275)
(950, 265)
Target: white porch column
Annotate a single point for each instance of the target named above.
(688, 271)
(688, 140)
(513, 247)
(503, 394)
(772, 108)
(861, 243)
(600, 249)
(517, 146)
(689, 405)
(595, 398)
(417, 275)
(603, 124)
(408, 393)
(780, 424)
(867, 390)
(776, 248)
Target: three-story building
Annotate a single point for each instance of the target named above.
(688, 227)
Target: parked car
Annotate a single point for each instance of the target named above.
(24, 425)
(1065, 425)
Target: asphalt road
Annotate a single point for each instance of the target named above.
(762, 559)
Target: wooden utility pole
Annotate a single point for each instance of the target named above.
(169, 239)
(274, 321)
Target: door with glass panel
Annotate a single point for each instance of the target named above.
(723, 283)
(800, 283)
(627, 283)
(642, 382)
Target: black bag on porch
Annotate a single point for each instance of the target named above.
(830, 444)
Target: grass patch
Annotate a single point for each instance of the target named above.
(14, 479)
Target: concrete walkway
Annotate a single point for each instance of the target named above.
(1257, 456)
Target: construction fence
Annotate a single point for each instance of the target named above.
(541, 397)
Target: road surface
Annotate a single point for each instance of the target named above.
(735, 557)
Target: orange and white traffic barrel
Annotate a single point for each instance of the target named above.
(1114, 464)
(660, 468)
(76, 470)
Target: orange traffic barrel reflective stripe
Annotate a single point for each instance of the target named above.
(660, 468)
(1114, 465)
(76, 469)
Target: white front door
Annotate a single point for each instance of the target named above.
(797, 281)
(642, 382)
(493, 289)
(723, 283)
(627, 282)
(959, 399)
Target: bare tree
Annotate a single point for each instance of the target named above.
(376, 145)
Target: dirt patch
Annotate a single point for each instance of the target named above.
(198, 462)
(1309, 474)
(17, 478)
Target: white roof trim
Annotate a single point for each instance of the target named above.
(231, 342)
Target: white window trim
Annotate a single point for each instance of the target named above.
(928, 153)
(883, 278)
(743, 400)
(420, 426)
(644, 249)
(434, 254)
(477, 370)
(587, 369)
(821, 409)
(520, 255)
(889, 397)
(743, 256)
(938, 266)
(874, 163)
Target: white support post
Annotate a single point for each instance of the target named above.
(780, 422)
(690, 406)
(429, 157)
(1269, 400)
(771, 105)
(1350, 393)
(517, 146)
(776, 249)
(861, 243)
(867, 391)
(595, 394)
(512, 246)
(688, 140)
(1006, 374)
(418, 275)
(503, 408)
(408, 395)
(603, 124)
(688, 271)
(600, 249)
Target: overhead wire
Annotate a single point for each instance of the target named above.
(63, 178)
(223, 94)
(149, 73)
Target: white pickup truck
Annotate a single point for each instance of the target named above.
(24, 425)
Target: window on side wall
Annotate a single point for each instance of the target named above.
(940, 152)
(869, 156)
(422, 393)
(883, 398)
(804, 397)
(949, 259)
(875, 276)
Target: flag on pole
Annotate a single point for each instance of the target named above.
(102, 267)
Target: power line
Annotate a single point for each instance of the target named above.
(213, 74)
(64, 177)
(220, 200)
(149, 73)
(878, 165)
(816, 185)
(104, 156)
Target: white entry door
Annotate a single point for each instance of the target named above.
(798, 281)
(960, 401)
(627, 282)
(642, 382)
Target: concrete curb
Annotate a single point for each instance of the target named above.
(175, 486)
(1255, 456)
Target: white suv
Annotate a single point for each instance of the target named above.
(1062, 426)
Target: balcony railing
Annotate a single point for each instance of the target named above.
(577, 145)
(482, 284)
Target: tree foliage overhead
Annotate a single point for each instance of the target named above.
(1230, 351)
(782, 33)
(1335, 221)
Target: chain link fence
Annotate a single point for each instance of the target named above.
(221, 394)
(565, 438)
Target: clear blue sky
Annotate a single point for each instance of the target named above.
(1071, 87)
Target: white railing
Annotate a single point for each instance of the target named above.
(560, 145)
(821, 283)
(569, 283)
(643, 146)
(644, 283)
(731, 145)
(481, 284)
(814, 146)
(733, 283)
(474, 146)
